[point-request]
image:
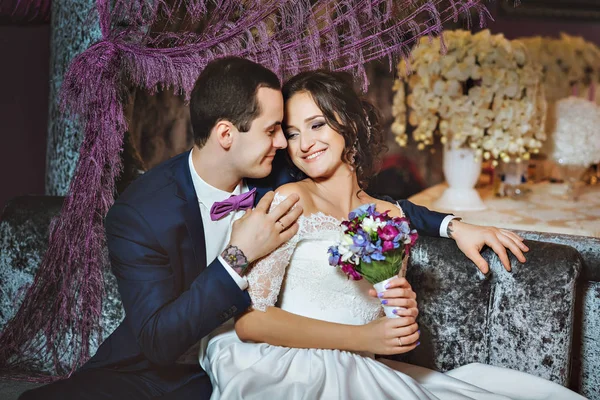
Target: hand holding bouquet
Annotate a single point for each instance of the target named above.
(373, 246)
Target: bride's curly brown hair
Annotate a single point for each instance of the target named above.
(353, 117)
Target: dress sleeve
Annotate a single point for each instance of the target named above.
(266, 275)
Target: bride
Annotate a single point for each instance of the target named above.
(334, 140)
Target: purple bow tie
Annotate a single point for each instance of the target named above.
(242, 201)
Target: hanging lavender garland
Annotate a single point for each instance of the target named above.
(286, 36)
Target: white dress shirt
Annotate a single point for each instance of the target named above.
(217, 233)
(444, 225)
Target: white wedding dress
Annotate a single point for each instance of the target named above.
(309, 286)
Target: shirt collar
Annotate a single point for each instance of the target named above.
(208, 194)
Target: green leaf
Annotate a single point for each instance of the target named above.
(377, 271)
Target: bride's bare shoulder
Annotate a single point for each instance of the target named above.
(301, 189)
(393, 208)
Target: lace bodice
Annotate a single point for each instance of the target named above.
(311, 287)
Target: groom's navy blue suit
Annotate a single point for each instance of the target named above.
(172, 295)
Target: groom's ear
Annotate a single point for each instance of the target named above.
(223, 131)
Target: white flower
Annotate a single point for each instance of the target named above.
(484, 93)
(345, 253)
(371, 225)
(347, 240)
(566, 60)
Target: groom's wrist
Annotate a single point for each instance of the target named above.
(236, 259)
(443, 232)
(452, 227)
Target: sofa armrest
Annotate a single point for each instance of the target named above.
(585, 378)
(521, 320)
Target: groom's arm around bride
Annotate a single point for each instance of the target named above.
(165, 313)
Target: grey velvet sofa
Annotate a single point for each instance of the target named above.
(585, 368)
(542, 318)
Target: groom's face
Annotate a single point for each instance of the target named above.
(255, 150)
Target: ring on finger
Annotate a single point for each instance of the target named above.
(282, 225)
(400, 342)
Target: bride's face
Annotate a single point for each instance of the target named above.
(313, 146)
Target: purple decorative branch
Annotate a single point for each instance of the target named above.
(64, 302)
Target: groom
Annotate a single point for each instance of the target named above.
(182, 235)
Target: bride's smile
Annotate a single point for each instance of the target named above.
(314, 155)
(313, 146)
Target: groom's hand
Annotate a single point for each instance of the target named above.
(259, 231)
(470, 239)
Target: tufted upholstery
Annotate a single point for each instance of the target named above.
(525, 320)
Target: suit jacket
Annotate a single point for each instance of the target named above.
(172, 295)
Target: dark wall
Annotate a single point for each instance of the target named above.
(24, 66)
(514, 27)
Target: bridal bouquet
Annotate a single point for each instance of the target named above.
(373, 246)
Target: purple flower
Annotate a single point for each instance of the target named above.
(360, 242)
(404, 227)
(334, 256)
(358, 212)
(362, 211)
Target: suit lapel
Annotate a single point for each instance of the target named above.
(193, 218)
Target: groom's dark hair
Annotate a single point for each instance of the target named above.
(226, 90)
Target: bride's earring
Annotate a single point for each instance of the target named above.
(352, 157)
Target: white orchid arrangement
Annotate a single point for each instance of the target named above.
(570, 64)
(484, 93)
(571, 69)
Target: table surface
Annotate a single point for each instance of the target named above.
(543, 209)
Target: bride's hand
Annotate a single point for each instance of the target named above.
(387, 336)
(399, 294)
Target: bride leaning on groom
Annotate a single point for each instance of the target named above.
(189, 253)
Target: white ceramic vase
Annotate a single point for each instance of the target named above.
(461, 171)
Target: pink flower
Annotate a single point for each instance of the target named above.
(388, 232)
(387, 246)
(382, 217)
(413, 237)
(349, 270)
